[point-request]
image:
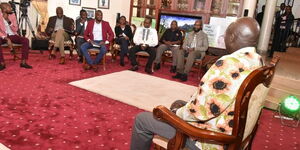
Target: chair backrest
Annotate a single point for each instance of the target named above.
(259, 79)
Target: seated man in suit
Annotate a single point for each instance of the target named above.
(59, 27)
(212, 105)
(98, 33)
(195, 45)
(145, 39)
(8, 34)
(81, 24)
(171, 40)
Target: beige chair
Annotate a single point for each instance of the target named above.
(95, 52)
(249, 102)
(69, 44)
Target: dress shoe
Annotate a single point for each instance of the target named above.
(173, 69)
(2, 67)
(134, 68)
(80, 59)
(62, 60)
(157, 66)
(87, 67)
(148, 70)
(26, 66)
(184, 77)
(95, 68)
(177, 76)
(52, 56)
(122, 63)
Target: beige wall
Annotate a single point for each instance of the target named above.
(116, 6)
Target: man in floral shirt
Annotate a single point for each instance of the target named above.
(212, 105)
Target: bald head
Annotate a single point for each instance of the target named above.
(198, 25)
(59, 12)
(244, 32)
(6, 8)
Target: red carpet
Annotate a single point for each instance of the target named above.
(39, 110)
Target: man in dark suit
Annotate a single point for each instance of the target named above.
(59, 27)
(276, 38)
(98, 34)
(260, 16)
(81, 24)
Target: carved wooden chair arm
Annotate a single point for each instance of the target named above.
(164, 114)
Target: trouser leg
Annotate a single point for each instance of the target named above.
(159, 51)
(1, 52)
(190, 60)
(100, 55)
(25, 44)
(79, 42)
(59, 42)
(124, 48)
(175, 50)
(132, 54)
(180, 61)
(152, 53)
(145, 126)
(84, 48)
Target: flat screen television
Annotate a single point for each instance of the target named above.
(185, 22)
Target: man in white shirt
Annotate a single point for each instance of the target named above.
(98, 34)
(145, 39)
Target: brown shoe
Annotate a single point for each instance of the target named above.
(87, 67)
(52, 56)
(62, 60)
(95, 68)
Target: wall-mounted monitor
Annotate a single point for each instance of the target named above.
(185, 22)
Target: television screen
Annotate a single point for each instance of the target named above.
(184, 22)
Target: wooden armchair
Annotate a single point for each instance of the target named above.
(16, 50)
(242, 134)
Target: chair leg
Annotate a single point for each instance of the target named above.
(71, 52)
(104, 62)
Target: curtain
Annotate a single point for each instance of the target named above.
(42, 8)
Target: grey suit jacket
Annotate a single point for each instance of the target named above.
(201, 41)
(79, 27)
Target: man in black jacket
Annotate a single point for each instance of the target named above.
(59, 27)
(171, 40)
(81, 24)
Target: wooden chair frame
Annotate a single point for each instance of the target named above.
(16, 47)
(262, 75)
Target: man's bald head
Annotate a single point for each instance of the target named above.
(198, 25)
(244, 32)
(59, 12)
(5, 8)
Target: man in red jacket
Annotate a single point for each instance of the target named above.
(8, 33)
(98, 34)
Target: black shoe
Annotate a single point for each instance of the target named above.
(148, 70)
(173, 69)
(134, 68)
(26, 66)
(2, 67)
(122, 63)
(80, 59)
(184, 77)
(157, 66)
(177, 76)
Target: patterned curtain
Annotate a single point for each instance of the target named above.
(42, 8)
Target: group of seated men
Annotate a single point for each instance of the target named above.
(97, 33)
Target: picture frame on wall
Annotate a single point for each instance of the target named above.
(90, 12)
(75, 2)
(104, 4)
